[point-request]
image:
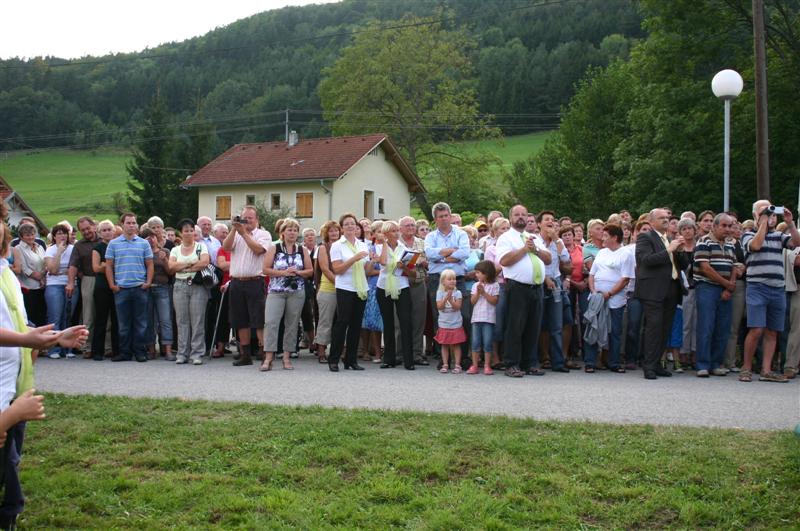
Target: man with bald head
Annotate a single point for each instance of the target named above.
(658, 286)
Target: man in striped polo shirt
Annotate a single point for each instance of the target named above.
(766, 297)
(715, 277)
(129, 271)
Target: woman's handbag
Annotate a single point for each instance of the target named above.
(207, 276)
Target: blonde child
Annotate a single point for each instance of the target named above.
(484, 296)
(451, 332)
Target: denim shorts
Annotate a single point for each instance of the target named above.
(482, 335)
(766, 306)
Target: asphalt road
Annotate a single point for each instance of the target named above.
(683, 400)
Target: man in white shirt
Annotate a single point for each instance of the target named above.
(523, 261)
(247, 293)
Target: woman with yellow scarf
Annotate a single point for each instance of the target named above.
(394, 296)
(350, 263)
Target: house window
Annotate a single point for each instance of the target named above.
(250, 200)
(274, 201)
(223, 207)
(304, 205)
(381, 210)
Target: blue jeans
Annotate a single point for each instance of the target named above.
(482, 336)
(713, 325)
(632, 341)
(59, 309)
(553, 322)
(159, 312)
(131, 304)
(614, 342)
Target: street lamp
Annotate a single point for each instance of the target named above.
(727, 85)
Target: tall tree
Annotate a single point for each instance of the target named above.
(416, 83)
(153, 183)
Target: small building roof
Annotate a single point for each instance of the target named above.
(7, 194)
(310, 159)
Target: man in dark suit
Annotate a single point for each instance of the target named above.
(658, 286)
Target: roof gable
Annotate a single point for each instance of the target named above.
(311, 159)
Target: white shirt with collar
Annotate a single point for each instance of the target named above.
(522, 270)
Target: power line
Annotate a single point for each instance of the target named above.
(171, 54)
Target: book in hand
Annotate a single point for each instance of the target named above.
(409, 261)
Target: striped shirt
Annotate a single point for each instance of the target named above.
(244, 262)
(765, 266)
(129, 260)
(720, 256)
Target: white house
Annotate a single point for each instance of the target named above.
(318, 179)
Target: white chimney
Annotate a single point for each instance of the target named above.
(293, 139)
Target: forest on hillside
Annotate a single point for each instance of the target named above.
(527, 59)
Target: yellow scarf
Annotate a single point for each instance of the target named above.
(392, 283)
(8, 285)
(359, 275)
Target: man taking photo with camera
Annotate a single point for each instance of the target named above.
(766, 298)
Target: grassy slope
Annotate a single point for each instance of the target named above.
(70, 184)
(101, 463)
(67, 184)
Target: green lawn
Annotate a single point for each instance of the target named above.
(67, 184)
(103, 463)
(514, 148)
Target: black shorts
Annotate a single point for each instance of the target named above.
(246, 299)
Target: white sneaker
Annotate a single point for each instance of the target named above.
(54, 356)
(734, 369)
(702, 373)
(180, 360)
(197, 361)
(719, 371)
(71, 356)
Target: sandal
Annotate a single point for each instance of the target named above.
(323, 358)
(266, 365)
(619, 370)
(287, 365)
(773, 377)
(444, 369)
(457, 369)
(533, 371)
(588, 369)
(745, 376)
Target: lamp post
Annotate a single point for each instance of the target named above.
(727, 85)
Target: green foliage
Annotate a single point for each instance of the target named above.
(268, 217)
(648, 132)
(406, 82)
(528, 59)
(161, 162)
(121, 463)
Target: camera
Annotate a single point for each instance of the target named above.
(772, 209)
(293, 284)
(237, 219)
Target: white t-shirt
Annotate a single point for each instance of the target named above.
(608, 269)
(9, 356)
(59, 279)
(191, 259)
(402, 280)
(340, 251)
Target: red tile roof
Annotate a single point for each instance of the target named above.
(310, 159)
(5, 189)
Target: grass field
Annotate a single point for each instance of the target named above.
(70, 184)
(67, 184)
(103, 463)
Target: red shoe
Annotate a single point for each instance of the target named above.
(487, 371)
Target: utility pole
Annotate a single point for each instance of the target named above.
(762, 123)
(286, 125)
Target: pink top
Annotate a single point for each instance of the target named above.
(244, 262)
(483, 311)
(491, 255)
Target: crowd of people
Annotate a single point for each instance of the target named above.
(523, 294)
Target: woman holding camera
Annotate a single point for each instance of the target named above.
(288, 264)
(190, 298)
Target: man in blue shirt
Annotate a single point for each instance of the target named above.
(446, 247)
(129, 271)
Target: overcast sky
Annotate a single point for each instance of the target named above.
(71, 29)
